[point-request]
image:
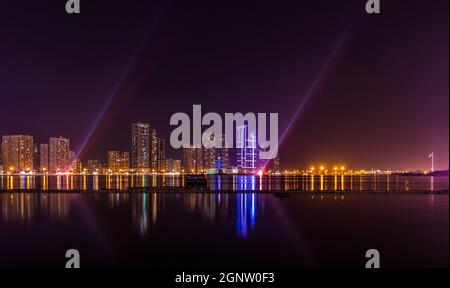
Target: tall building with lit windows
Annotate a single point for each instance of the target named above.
(172, 165)
(59, 150)
(140, 146)
(153, 150)
(223, 156)
(118, 161)
(17, 153)
(193, 161)
(161, 155)
(94, 166)
(209, 154)
(246, 149)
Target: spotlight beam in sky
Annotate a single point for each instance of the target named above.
(119, 84)
(313, 87)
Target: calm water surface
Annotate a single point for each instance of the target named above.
(226, 182)
(223, 229)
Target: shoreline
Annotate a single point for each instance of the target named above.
(278, 193)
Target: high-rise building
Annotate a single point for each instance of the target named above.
(193, 161)
(140, 146)
(17, 153)
(118, 161)
(153, 150)
(223, 156)
(172, 165)
(94, 166)
(43, 157)
(113, 160)
(209, 158)
(161, 155)
(59, 155)
(188, 160)
(246, 149)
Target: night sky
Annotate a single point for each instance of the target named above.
(367, 91)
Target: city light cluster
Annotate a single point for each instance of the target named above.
(20, 154)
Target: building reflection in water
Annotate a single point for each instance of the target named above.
(119, 199)
(225, 182)
(211, 207)
(246, 213)
(208, 205)
(145, 208)
(25, 207)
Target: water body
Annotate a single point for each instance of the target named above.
(223, 230)
(227, 182)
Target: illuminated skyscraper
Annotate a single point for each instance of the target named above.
(140, 146)
(209, 154)
(113, 160)
(223, 156)
(246, 149)
(118, 161)
(199, 160)
(193, 160)
(154, 150)
(17, 153)
(124, 161)
(94, 166)
(172, 165)
(59, 154)
(161, 154)
(188, 160)
(43, 157)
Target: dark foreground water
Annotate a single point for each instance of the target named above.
(230, 230)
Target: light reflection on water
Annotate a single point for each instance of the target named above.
(232, 224)
(227, 182)
(19, 207)
(24, 208)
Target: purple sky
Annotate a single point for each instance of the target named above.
(377, 85)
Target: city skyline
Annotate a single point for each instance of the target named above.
(147, 153)
(224, 143)
(388, 112)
